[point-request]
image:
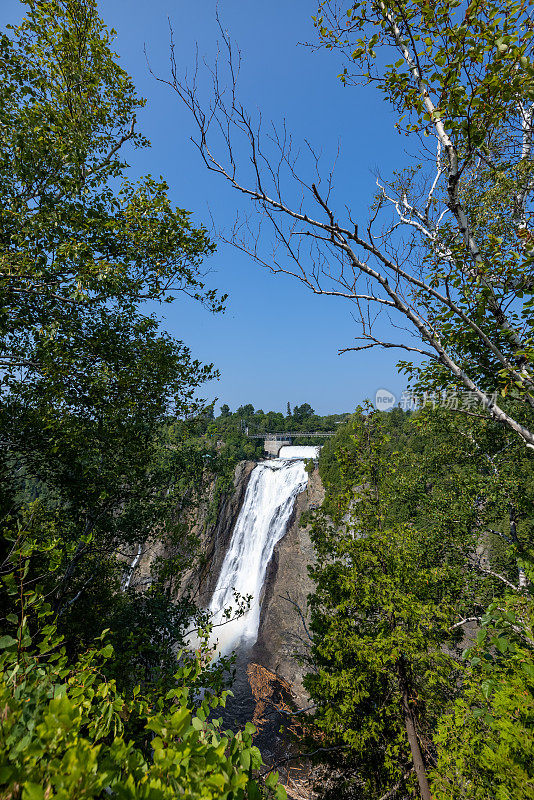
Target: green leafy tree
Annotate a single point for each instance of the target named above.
(427, 520)
(79, 238)
(67, 731)
(89, 382)
(246, 411)
(274, 421)
(485, 742)
(381, 613)
(303, 412)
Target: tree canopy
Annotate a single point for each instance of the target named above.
(424, 535)
(97, 454)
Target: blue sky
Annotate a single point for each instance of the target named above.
(276, 342)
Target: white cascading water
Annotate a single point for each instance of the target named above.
(293, 451)
(262, 521)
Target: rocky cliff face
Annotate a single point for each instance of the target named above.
(212, 528)
(283, 634)
(215, 538)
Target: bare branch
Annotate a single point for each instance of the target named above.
(464, 621)
(386, 345)
(499, 578)
(340, 258)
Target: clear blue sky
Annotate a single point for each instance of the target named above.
(277, 342)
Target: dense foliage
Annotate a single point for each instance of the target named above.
(424, 535)
(256, 421)
(67, 732)
(485, 740)
(88, 380)
(100, 447)
(421, 663)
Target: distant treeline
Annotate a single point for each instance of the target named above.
(300, 418)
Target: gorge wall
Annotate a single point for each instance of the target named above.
(282, 635)
(215, 535)
(211, 527)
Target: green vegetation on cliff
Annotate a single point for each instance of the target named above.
(421, 658)
(425, 537)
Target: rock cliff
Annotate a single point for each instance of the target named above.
(215, 536)
(283, 635)
(210, 527)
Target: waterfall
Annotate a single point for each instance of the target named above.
(128, 577)
(293, 451)
(262, 521)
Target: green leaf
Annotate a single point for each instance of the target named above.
(481, 635)
(244, 757)
(253, 791)
(32, 791)
(107, 651)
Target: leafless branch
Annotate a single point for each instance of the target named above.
(340, 257)
(464, 621)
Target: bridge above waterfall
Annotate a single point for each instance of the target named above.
(273, 442)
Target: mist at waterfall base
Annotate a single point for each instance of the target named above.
(262, 522)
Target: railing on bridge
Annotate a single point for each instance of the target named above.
(280, 437)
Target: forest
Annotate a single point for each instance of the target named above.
(419, 662)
